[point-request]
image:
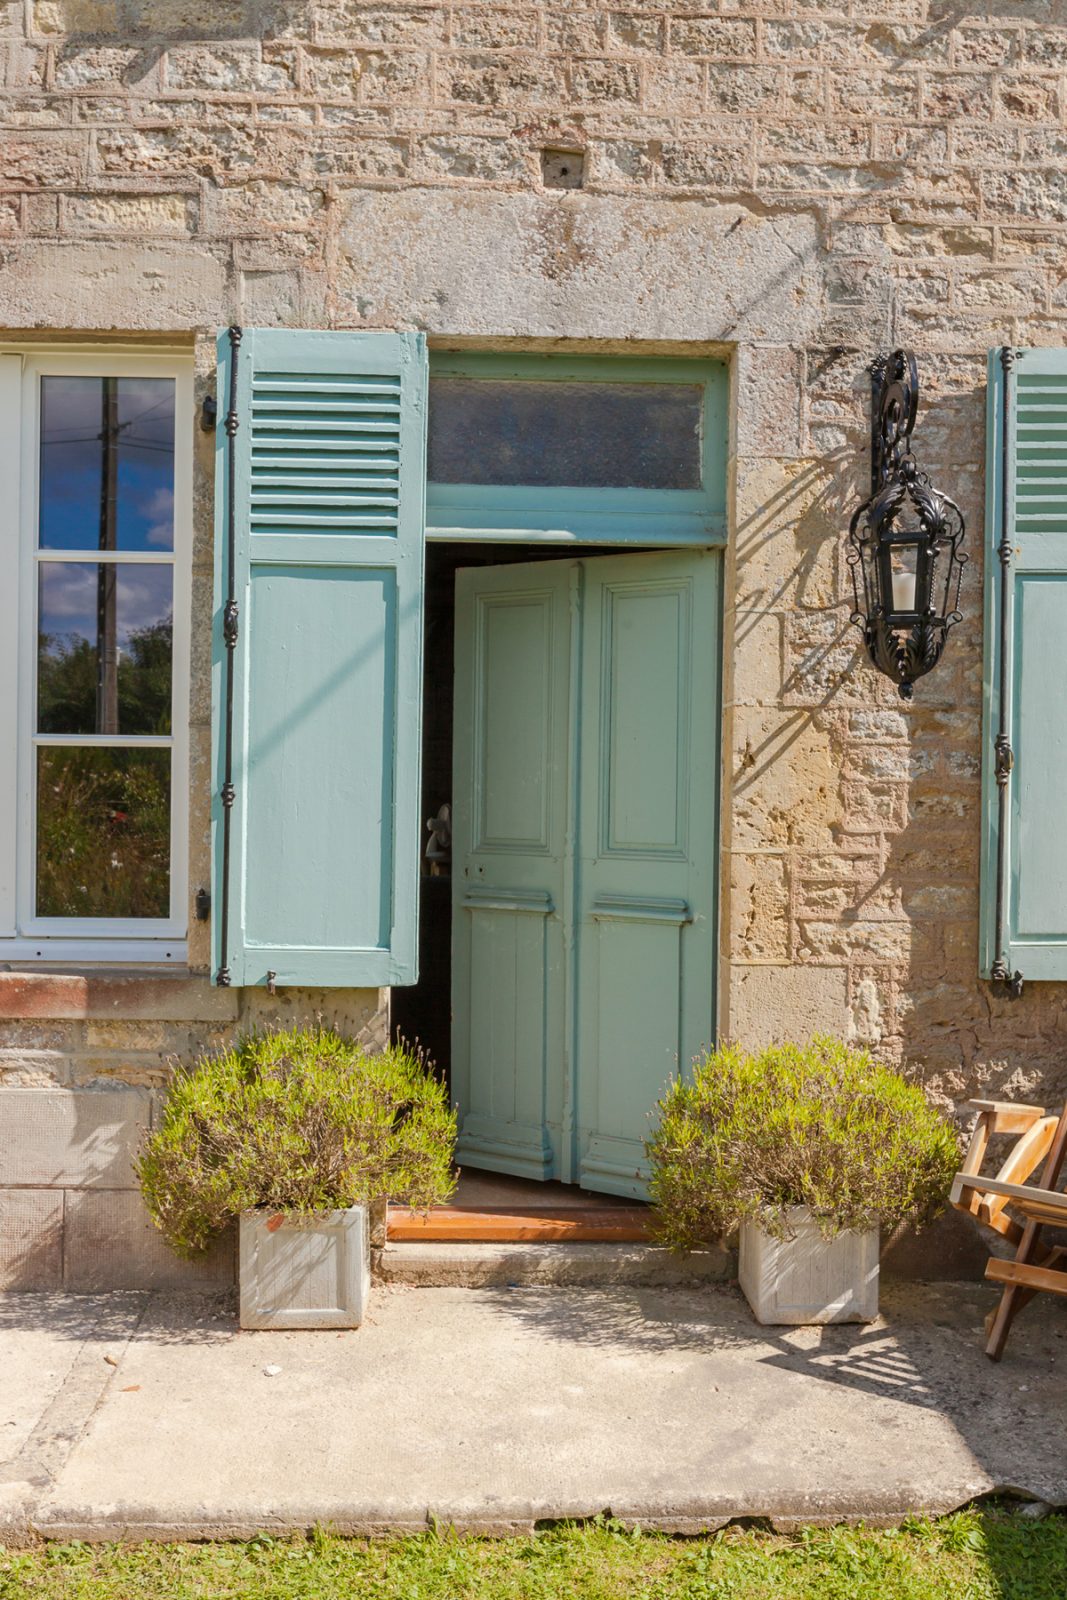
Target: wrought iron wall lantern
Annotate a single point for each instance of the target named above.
(904, 540)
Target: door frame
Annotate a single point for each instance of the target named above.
(588, 522)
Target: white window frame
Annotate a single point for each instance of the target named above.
(24, 936)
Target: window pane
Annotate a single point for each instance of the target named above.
(103, 832)
(107, 464)
(104, 647)
(579, 435)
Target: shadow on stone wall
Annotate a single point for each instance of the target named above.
(203, 20)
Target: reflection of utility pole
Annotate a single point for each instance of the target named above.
(107, 654)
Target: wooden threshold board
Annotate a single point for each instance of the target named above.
(512, 1225)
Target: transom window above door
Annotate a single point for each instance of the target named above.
(93, 816)
(577, 449)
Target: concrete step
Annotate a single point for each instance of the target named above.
(488, 1266)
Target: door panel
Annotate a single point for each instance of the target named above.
(646, 867)
(585, 811)
(510, 808)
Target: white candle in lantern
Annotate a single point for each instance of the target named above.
(903, 591)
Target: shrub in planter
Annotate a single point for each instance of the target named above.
(815, 1140)
(300, 1126)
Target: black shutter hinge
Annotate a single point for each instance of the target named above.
(230, 614)
(1004, 759)
(1000, 972)
(203, 904)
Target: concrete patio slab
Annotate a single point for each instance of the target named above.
(151, 1416)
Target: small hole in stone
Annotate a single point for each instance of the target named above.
(562, 169)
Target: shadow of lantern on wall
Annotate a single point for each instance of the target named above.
(904, 541)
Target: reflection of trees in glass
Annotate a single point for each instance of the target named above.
(67, 675)
(103, 832)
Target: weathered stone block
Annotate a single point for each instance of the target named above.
(471, 157)
(742, 89)
(768, 1003)
(261, 205)
(700, 166)
(605, 82)
(490, 28)
(786, 781)
(768, 401)
(346, 157)
(636, 31)
(80, 66)
(674, 88)
(76, 16)
(955, 94)
(578, 274)
(814, 39)
(230, 69)
(989, 46)
(718, 38)
(40, 160)
(60, 1138)
(140, 214)
(501, 80)
(393, 77)
(574, 32)
(1027, 99)
(363, 24)
(759, 908)
(110, 1242)
(31, 1239)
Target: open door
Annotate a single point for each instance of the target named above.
(586, 802)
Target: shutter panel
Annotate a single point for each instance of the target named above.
(1026, 672)
(328, 542)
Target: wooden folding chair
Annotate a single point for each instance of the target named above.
(1016, 1208)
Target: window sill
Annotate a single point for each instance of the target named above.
(80, 991)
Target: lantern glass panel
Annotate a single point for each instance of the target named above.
(904, 566)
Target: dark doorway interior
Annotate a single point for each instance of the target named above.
(421, 1014)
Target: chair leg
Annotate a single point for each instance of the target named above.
(1013, 1298)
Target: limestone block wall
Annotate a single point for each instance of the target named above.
(790, 184)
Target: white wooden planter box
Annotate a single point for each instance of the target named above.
(807, 1278)
(304, 1272)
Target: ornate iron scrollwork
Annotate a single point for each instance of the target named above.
(904, 551)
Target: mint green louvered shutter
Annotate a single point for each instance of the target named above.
(327, 530)
(1024, 887)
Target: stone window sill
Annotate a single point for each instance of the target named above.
(165, 994)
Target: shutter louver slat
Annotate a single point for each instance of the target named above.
(303, 412)
(329, 544)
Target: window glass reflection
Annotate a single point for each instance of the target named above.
(104, 647)
(103, 832)
(107, 464)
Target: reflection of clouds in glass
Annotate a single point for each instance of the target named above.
(158, 511)
(69, 598)
(76, 406)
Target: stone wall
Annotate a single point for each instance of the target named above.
(793, 185)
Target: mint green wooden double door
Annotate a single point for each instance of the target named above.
(584, 847)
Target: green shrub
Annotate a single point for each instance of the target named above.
(817, 1125)
(300, 1121)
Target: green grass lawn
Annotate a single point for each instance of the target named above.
(973, 1555)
